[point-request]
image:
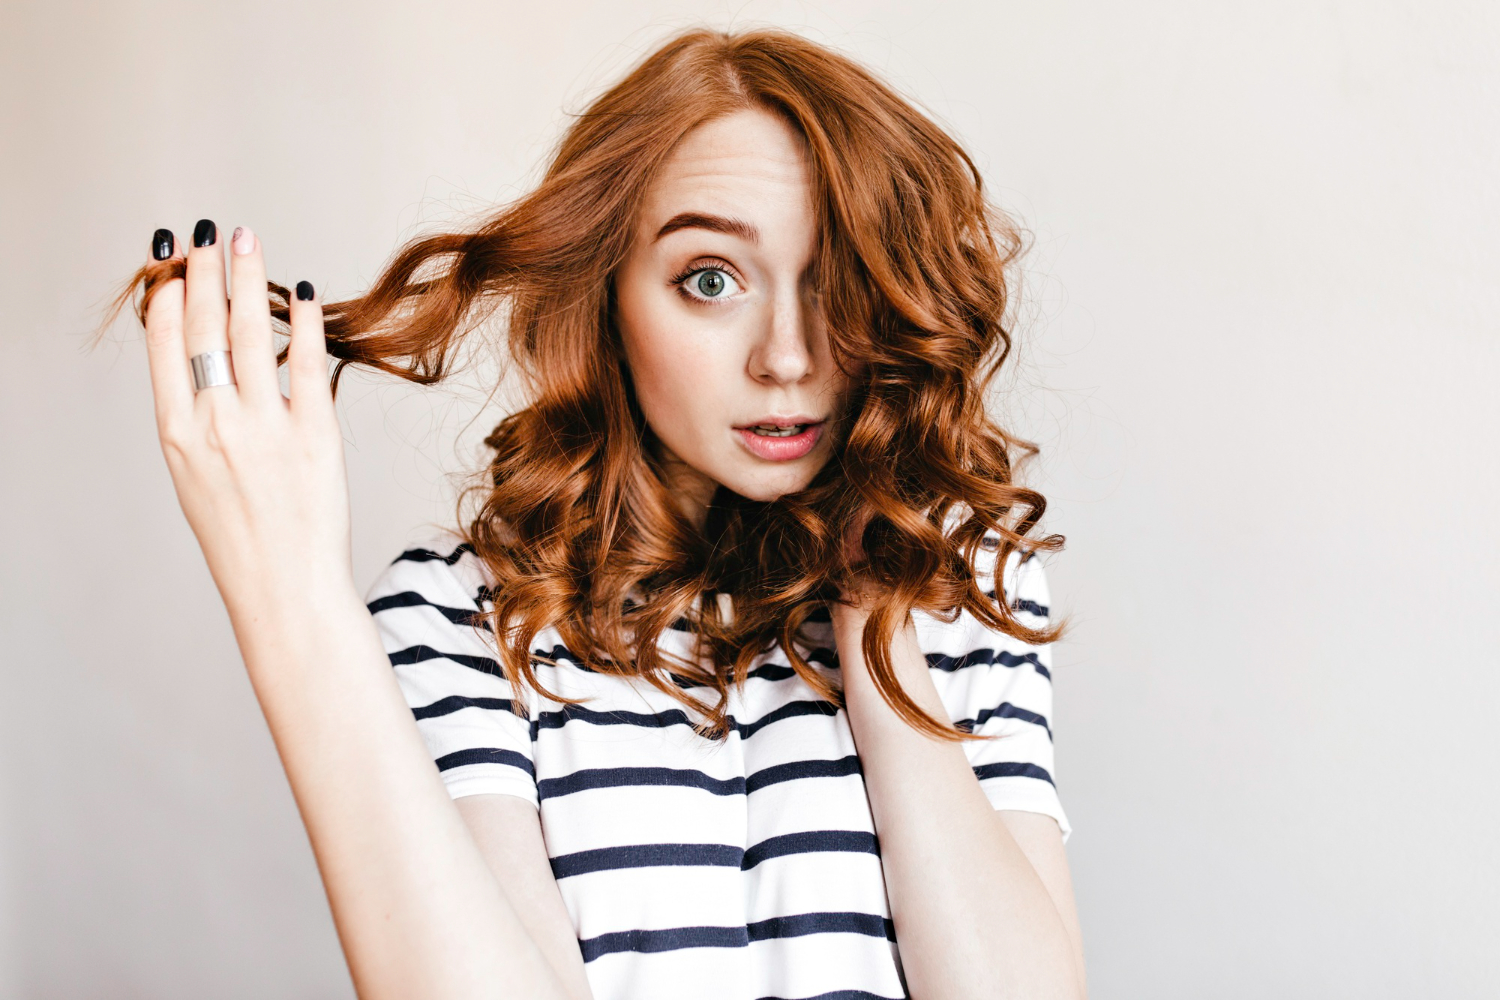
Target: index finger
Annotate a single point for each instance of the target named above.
(170, 379)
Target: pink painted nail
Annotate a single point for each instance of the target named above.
(243, 240)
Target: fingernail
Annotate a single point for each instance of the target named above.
(205, 233)
(305, 291)
(162, 244)
(243, 241)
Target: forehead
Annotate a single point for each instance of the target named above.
(747, 163)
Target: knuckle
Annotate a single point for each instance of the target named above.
(180, 449)
(174, 449)
(175, 434)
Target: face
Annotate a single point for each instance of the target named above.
(726, 348)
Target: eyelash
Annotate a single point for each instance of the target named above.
(703, 264)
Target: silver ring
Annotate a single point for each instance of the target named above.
(212, 368)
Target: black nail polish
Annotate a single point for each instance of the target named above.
(205, 233)
(162, 244)
(305, 291)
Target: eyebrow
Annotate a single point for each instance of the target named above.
(713, 223)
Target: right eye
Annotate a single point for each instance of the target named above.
(708, 284)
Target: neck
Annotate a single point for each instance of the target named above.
(690, 489)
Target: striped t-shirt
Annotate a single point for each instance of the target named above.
(744, 870)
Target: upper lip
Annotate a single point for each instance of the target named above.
(779, 422)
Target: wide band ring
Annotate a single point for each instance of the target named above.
(212, 368)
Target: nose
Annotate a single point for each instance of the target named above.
(782, 355)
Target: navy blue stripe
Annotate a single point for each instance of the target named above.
(427, 555)
(811, 842)
(485, 755)
(949, 664)
(418, 654)
(790, 710)
(801, 924)
(412, 599)
(771, 672)
(647, 856)
(1005, 710)
(623, 777)
(1011, 769)
(632, 777)
(713, 855)
(615, 717)
(671, 939)
(766, 671)
(777, 773)
(1006, 659)
(454, 703)
(556, 719)
(677, 938)
(1023, 604)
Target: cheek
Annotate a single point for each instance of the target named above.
(679, 378)
(670, 384)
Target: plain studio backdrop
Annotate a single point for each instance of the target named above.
(1260, 355)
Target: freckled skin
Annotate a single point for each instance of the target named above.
(755, 349)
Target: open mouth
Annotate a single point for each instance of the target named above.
(780, 442)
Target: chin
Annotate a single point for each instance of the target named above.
(765, 488)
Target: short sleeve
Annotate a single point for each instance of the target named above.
(1001, 688)
(424, 605)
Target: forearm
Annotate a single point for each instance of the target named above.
(417, 911)
(260, 477)
(972, 916)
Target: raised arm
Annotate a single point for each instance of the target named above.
(980, 896)
(261, 480)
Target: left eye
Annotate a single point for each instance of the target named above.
(710, 283)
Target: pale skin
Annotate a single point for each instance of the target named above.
(444, 898)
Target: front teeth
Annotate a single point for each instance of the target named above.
(771, 430)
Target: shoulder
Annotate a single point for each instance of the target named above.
(428, 605)
(437, 567)
(1021, 582)
(1024, 585)
(430, 599)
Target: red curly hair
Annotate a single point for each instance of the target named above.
(911, 267)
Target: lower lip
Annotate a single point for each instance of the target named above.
(780, 449)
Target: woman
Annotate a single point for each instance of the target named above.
(749, 585)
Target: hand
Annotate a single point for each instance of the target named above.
(849, 618)
(261, 478)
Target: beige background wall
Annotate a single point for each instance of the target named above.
(1261, 357)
